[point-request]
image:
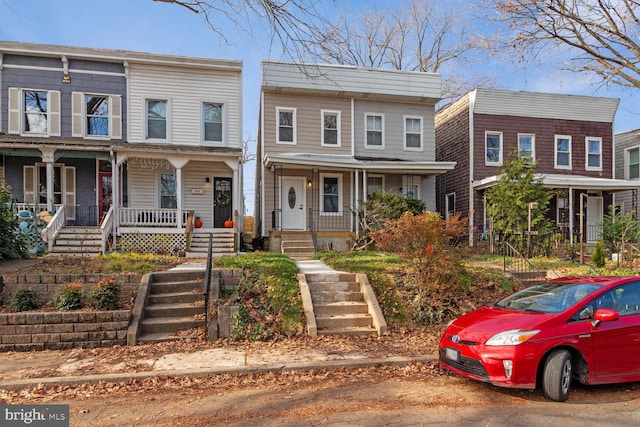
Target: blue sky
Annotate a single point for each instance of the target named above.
(147, 26)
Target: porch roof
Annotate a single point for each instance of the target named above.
(349, 162)
(569, 181)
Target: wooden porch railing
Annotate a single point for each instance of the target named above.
(106, 228)
(143, 217)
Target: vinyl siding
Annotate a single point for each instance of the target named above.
(185, 89)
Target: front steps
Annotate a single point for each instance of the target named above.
(77, 241)
(338, 304)
(174, 307)
(297, 245)
(222, 243)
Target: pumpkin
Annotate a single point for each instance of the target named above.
(198, 222)
(228, 223)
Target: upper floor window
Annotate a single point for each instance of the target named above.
(331, 194)
(374, 129)
(212, 120)
(633, 163)
(413, 133)
(493, 148)
(97, 108)
(594, 153)
(526, 146)
(96, 116)
(168, 192)
(36, 112)
(331, 128)
(156, 119)
(286, 125)
(563, 152)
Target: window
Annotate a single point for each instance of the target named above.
(286, 125)
(97, 108)
(156, 119)
(331, 194)
(633, 162)
(594, 153)
(331, 128)
(375, 183)
(563, 152)
(526, 146)
(35, 112)
(212, 119)
(411, 186)
(562, 208)
(374, 129)
(451, 205)
(42, 184)
(168, 194)
(493, 148)
(413, 133)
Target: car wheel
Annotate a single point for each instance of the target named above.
(556, 382)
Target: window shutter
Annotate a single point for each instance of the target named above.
(14, 111)
(29, 179)
(54, 113)
(76, 115)
(116, 117)
(70, 191)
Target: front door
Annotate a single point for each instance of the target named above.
(594, 219)
(292, 201)
(222, 201)
(105, 194)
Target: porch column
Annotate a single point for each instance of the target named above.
(356, 202)
(235, 165)
(178, 163)
(115, 195)
(48, 159)
(571, 215)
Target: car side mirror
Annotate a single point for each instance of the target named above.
(604, 315)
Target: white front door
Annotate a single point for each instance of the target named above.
(594, 219)
(293, 203)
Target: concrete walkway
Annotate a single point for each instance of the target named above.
(313, 266)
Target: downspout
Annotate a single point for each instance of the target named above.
(472, 101)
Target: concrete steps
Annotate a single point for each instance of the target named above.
(172, 307)
(297, 245)
(223, 243)
(77, 241)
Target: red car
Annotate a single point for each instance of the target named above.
(574, 328)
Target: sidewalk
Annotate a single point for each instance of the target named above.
(118, 364)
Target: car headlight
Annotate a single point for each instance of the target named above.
(512, 337)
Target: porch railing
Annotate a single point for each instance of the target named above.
(314, 230)
(50, 232)
(142, 217)
(106, 228)
(31, 207)
(321, 221)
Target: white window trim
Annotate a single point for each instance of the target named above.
(338, 125)
(533, 145)
(321, 192)
(366, 141)
(374, 175)
(405, 181)
(404, 125)
(499, 162)
(558, 210)
(447, 208)
(159, 174)
(168, 119)
(555, 152)
(295, 127)
(627, 162)
(203, 141)
(586, 153)
(22, 112)
(110, 118)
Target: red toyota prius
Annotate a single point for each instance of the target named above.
(574, 328)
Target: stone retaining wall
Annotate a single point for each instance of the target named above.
(28, 331)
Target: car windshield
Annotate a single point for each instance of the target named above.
(548, 297)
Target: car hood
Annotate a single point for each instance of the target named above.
(482, 324)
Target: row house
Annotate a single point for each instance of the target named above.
(329, 136)
(627, 166)
(571, 138)
(128, 147)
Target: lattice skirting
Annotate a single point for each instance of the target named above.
(162, 244)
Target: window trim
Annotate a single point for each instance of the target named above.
(23, 117)
(338, 128)
(321, 193)
(223, 131)
(85, 117)
(366, 131)
(586, 153)
(555, 152)
(160, 174)
(500, 157)
(167, 119)
(294, 126)
(533, 145)
(627, 162)
(421, 134)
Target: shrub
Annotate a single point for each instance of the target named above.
(69, 296)
(117, 266)
(598, 255)
(106, 295)
(24, 300)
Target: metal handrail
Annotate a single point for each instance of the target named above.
(314, 231)
(106, 228)
(207, 283)
(518, 263)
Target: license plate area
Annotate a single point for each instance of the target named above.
(452, 354)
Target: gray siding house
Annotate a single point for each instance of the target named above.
(627, 167)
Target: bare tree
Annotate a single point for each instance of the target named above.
(291, 22)
(423, 37)
(598, 37)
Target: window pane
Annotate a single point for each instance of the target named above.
(594, 146)
(330, 121)
(330, 195)
(634, 171)
(634, 156)
(493, 148)
(286, 134)
(594, 160)
(563, 144)
(168, 199)
(413, 141)
(35, 112)
(286, 118)
(213, 122)
(331, 137)
(285, 131)
(563, 159)
(157, 119)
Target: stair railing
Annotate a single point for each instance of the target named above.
(514, 262)
(207, 284)
(314, 231)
